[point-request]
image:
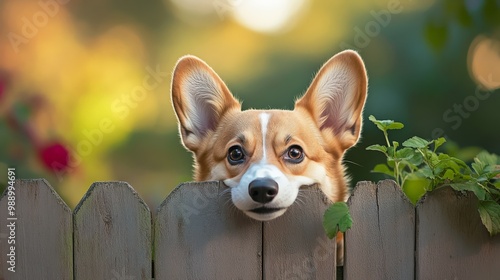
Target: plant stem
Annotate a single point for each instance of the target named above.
(386, 138)
(396, 173)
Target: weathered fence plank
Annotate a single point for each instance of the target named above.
(295, 244)
(43, 233)
(112, 234)
(452, 243)
(380, 244)
(199, 234)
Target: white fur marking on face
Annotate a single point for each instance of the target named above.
(288, 190)
(264, 120)
(288, 184)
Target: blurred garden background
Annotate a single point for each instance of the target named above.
(84, 85)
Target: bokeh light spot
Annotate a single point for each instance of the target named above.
(268, 16)
(484, 62)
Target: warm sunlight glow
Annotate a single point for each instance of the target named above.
(483, 60)
(268, 15)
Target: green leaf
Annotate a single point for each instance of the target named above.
(395, 144)
(385, 125)
(433, 158)
(494, 190)
(485, 164)
(390, 152)
(444, 164)
(390, 162)
(336, 218)
(377, 123)
(415, 187)
(494, 174)
(384, 169)
(448, 175)
(478, 167)
(416, 142)
(405, 153)
(487, 158)
(438, 142)
(490, 216)
(394, 125)
(470, 186)
(425, 172)
(377, 147)
(411, 156)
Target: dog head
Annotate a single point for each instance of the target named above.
(265, 156)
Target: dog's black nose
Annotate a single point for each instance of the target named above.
(263, 190)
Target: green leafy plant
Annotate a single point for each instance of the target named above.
(418, 168)
(337, 218)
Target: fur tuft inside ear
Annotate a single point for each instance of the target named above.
(200, 99)
(337, 96)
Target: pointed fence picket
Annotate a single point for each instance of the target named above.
(382, 237)
(112, 234)
(43, 233)
(198, 234)
(451, 240)
(198, 239)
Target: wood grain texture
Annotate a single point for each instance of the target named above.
(380, 244)
(199, 234)
(452, 242)
(43, 231)
(112, 234)
(296, 245)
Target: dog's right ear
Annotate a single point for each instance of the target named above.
(200, 99)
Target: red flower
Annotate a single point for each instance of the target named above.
(54, 157)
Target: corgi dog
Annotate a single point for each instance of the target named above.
(265, 156)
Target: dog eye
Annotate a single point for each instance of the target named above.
(294, 154)
(235, 155)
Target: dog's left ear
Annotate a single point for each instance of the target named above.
(200, 100)
(336, 98)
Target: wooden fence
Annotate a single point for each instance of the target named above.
(198, 234)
